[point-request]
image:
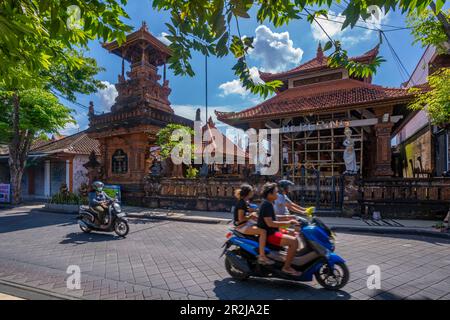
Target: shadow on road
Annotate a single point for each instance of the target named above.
(23, 220)
(433, 240)
(272, 289)
(83, 238)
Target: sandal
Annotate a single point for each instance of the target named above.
(292, 273)
(266, 261)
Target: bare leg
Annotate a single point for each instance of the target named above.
(292, 244)
(255, 231)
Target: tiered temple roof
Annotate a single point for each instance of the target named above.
(320, 95)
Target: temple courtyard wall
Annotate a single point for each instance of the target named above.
(405, 198)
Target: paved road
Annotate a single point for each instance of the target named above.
(179, 260)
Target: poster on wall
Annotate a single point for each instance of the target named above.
(5, 193)
(112, 191)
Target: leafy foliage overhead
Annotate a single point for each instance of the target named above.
(212, 28)
(36, 34)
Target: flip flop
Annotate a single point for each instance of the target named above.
(266, 262)
(292, 273)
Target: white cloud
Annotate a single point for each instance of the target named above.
(276, 51)
(163, 39)
(107, 96)
(349, 37)
(235, 86)
(70, 129)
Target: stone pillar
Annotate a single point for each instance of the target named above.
(68, 175)
(47, 178)
(383, 157)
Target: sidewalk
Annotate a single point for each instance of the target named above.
(386, 226)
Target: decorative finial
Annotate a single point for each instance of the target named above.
(198, 115)
(319, 52)
(91, 108)
(144, 26)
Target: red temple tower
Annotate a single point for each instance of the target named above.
(141, 108)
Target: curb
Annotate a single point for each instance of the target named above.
(29, 291)
(392, 231)
(183, 219)
(380, 230)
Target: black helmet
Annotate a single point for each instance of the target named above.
(285, 184)
(98, 186)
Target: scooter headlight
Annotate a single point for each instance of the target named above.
(117, 208)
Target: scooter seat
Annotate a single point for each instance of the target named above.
(255, 238)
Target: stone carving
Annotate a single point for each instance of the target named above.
(351, 167)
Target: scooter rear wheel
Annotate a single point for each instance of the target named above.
(85, 229)
(334, 279)
(234, 272)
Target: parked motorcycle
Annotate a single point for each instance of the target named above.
(316, 258)
(115, 221)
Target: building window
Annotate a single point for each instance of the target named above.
(119, 162)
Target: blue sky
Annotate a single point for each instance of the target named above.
(276, 49)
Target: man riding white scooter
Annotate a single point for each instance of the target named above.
(100, 202)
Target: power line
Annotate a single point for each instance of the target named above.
(73, 102)
(396, 57)
(393, 28)
(341, 22)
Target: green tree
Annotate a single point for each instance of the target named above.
(436, 101)
(41, 45)
(36, 34)
(212, 28)
(171, 138)
(166, 141)
(429, 29)
(33, 113)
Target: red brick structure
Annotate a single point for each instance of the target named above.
(142, 107)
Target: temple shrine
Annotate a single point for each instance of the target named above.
(321, 109)
(142, 107)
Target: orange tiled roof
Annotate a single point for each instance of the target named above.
(319, 97)
(319, 62)
(78, 143)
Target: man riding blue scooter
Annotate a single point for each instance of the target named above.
(315, 257)
(283, 205)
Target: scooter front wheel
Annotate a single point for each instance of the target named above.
(334, 279)
(121, 228)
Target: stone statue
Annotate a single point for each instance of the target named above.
(349, 154)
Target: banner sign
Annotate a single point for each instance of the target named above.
(112, 191)
(5, 193)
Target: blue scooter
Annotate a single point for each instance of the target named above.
(316, 258)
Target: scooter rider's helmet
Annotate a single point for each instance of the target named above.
(285, 184)
(98, 186)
